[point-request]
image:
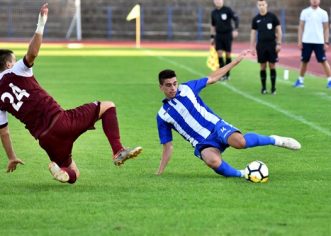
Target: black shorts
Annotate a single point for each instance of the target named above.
(223, 42)
(307, 50)
(266, 52)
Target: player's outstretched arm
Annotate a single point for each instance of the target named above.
(13, 161)
(216, 75)
(36, 40)
(166, 154)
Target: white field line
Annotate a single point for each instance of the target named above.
(257, 100)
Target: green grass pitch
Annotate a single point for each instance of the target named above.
(189, 198)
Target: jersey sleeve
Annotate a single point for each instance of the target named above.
(197, 85)
(235, 18)
(254, 24)
(303, 15)
(276, 21)
(165, 134)
(3, 119)
(21, 68)
(213, 23)
(325, 17)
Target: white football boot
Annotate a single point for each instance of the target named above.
(285, 142)
(58, 174)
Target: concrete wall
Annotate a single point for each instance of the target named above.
(161, 20)
(18, 18)
(185, 18)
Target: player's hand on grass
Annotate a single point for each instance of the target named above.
(13, 163)
(159, 172)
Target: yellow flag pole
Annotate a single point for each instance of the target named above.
(138, 32)
(135, 14)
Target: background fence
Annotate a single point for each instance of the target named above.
(160, 20)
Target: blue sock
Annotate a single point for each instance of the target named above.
(226, 170)
(254, 140)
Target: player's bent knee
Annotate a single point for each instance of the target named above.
(237, 141)
(104, 106)
(239, 144)
(213, 164)
(242, 145)
(211, 161)
(107, 104)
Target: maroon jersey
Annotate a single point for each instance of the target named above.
(24, 98)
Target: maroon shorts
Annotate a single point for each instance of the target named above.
(69, 125)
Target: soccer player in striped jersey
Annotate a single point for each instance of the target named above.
(184, 111)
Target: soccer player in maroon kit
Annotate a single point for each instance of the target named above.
(55, 128)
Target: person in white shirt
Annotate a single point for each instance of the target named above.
(313, 35)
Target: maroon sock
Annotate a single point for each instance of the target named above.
(71, 173)
(111, 129)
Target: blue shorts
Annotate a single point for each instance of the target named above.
(217, 139)
(307, 50)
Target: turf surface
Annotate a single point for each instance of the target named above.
(189, 198)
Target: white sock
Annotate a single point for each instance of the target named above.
(301, 79)
(329, 79)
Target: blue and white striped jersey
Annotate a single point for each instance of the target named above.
(187, 114)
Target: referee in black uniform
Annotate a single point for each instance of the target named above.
(269, 36)
(222, 32)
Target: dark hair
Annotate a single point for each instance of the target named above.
(5, 56)
(166, 74)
